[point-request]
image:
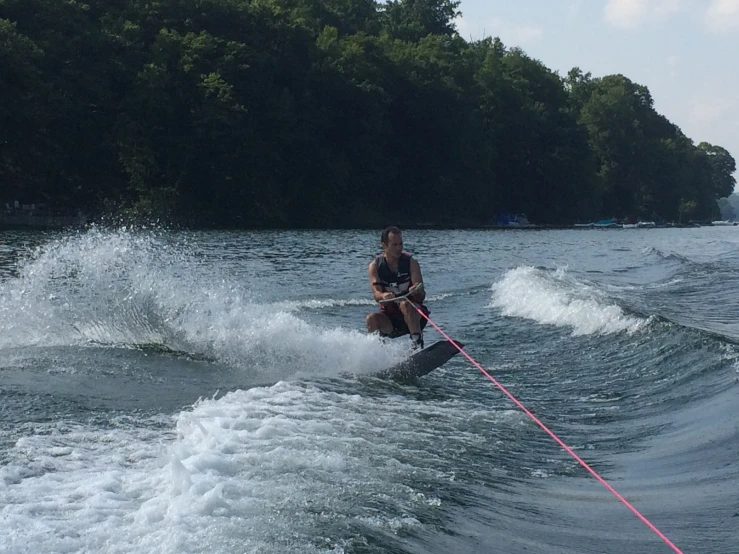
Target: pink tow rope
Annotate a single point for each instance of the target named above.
(551, 434)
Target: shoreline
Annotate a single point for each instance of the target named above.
(42, 223)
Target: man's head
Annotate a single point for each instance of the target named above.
(392, 242)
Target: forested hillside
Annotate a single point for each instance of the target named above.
(324, 113)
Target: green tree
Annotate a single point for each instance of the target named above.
(411, 20)
(324, 113)
(723, 167)
(20, 89)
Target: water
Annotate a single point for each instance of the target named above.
(193, 392)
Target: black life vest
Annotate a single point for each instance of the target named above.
(397, 282)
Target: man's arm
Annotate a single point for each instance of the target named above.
(416, 278)
(378, 291)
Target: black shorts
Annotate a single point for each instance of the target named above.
(399, 326)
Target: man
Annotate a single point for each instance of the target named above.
(393, 273)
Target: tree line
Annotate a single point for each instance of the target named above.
(298, 113)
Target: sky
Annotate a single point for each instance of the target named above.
(685, 51)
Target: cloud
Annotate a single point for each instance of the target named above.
(673, 64)
(574, 9)
(625, 13)
(630, 14)
(710, 119)
(723, 15)
(510, 34)
(666, 8)
(709, 110)
(523, 34)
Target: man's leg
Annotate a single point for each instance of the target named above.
(379, 322)
(412, 318)
(413, 322)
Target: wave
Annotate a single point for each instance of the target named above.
(125, 288)
(557, 298)
(651, 251)
(319, 304)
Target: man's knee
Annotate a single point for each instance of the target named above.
(377, 322)
(408, 310)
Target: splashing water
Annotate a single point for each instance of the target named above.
(555, 298)
(137, 289)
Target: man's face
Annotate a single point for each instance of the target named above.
(394, 245)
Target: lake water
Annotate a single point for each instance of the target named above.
(214, 392)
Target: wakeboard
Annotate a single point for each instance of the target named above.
(422, 362)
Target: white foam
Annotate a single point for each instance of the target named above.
(319, 304)
(125, 288)
(556, 298)
(94, 286)
(288, 468)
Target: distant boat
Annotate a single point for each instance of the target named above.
(584, 225)
(516, 220)
(646, 224)
(630, 225)
(606, 224)
(724, 223)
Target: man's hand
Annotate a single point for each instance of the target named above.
(415, 292)
(388, 296)
(403, 303)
